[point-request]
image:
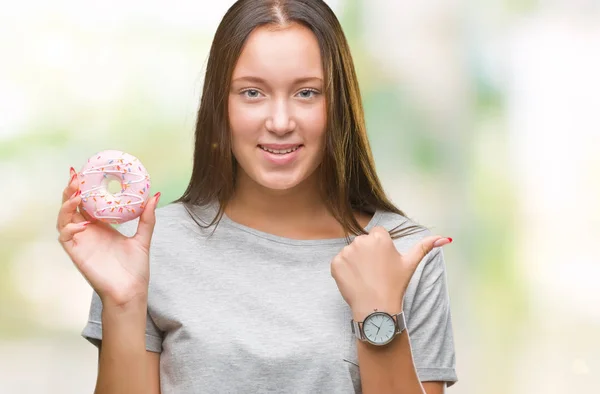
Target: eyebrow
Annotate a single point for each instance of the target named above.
(250, 78)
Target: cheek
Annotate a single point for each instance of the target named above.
(314, 125)
(243, 122)
(241, 115)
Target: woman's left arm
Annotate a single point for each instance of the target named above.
(390, 369)
(371, 274)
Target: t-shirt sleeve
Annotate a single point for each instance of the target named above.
(429, 323)
(93, 329)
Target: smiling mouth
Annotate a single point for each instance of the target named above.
(280, 151)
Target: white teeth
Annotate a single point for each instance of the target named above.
(279, 151)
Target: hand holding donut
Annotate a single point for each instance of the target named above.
(371, 273)
(116, 266)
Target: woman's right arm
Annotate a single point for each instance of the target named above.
(124, 364)
(117, 267)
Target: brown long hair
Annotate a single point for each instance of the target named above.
(349, 180)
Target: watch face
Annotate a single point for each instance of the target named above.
(379, 328)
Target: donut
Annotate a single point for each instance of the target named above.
(95, 177)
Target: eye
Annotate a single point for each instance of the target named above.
(307, 93)
(251, 93)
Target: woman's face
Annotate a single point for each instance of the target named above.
(277, 110)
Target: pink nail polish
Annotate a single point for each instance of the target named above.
(75, 194)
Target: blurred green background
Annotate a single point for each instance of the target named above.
(484, 123)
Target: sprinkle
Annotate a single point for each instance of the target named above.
(94, 198)
(129, 202)
(132, 210)
(119, 168)
(122, 190)
(141, 192)
(120, 209)
(140, 168)
(82, 182)
(112, 209)
(109, 202)
(110, 161)
(98, 157)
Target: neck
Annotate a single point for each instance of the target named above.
(254, 203)
(299, 212)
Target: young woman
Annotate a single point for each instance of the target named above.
(283, 268)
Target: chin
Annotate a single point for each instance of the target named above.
(278, 183)
(280, 180)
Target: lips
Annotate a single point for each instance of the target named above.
(280, 154)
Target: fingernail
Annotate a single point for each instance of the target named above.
(157, 196)
(85, 223)
(72, 177)
(442, 242)
(75, 194)
(72, 171)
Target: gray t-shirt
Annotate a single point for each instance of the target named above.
(243, 311)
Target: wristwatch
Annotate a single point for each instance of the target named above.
(379, 328)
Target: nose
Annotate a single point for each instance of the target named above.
(280, 120)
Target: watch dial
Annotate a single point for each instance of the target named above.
(379, 328)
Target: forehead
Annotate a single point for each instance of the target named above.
(280, 54)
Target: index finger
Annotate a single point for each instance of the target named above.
(72, 186)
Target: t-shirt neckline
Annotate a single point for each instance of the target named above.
(300, 242)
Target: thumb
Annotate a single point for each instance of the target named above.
(147, 221)
(420, 250)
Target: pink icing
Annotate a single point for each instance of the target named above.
(124, 168)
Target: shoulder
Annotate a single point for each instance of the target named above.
(408, 230)
(432, 267)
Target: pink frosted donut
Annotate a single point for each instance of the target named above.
(128, 171)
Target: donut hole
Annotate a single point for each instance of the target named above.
(113, 186)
